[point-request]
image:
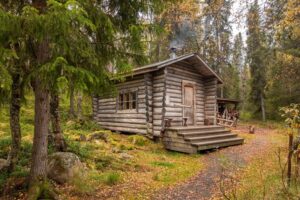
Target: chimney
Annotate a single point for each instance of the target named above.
(173, 52)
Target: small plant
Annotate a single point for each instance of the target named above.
(82, 184)
(104, 161)
(138, 140)
(112, 178)
(82, 150)
(126, 147)
(291, 114)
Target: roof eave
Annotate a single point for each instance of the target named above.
(220, 81)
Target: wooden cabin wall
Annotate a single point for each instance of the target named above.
(176, 74)
(148, 78)
(210, 86)
(157, 98)
(133, 121)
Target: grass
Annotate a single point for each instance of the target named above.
(106, 169)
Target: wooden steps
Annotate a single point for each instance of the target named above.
(197, 138)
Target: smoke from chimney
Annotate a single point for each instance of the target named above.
(173, 52)
(182, 32)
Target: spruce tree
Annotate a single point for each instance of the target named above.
(255, 58)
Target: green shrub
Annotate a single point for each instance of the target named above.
(84, 151)
(104, 161)
(20, 171)
(3, 178)
(112, 178)
(138, 140)
(246, 115)
(4, 146)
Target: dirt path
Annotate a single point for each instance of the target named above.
(204, 185)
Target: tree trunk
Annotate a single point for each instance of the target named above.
(72, 101)
(59, 141)
(79, 105)
(262, 104)
(40, 140)
(15, 121)
(38, 170)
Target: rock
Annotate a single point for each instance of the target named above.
(99, 136)
(63, 166)
(125, 156)
(3, 164)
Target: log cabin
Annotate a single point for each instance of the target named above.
(175, 100)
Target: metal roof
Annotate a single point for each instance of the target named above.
(193, 59)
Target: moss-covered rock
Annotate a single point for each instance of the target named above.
(63, 166)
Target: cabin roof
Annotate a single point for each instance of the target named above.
(228, 101)
(192, 59)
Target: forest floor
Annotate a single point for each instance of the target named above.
(132, 167)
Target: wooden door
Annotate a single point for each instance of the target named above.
(189, 102)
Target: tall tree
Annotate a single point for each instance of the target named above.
(12, 63)
(237, 59)
(255, 55)
(283, 74)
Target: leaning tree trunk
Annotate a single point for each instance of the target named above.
(15, 121)
(59, 141)
(38, 170)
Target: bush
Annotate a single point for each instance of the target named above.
(138, 140)
(112, 178)
(104, 162)
(20, 172)
(4, 146)
(83, 151)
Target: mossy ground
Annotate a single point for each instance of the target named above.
(146, 167)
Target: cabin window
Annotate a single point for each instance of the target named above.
(127, 100)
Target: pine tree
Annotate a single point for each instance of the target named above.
(239, 68)
(255, 55)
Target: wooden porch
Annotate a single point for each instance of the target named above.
(191, 139)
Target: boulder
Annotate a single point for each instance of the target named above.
(64, 166)
(3, 164)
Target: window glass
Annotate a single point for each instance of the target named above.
(120, 101)
(133, 96)
(127, 100)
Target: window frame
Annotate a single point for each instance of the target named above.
(128, 99)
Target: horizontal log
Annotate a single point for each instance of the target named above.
(137, 121)
(124, 124)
